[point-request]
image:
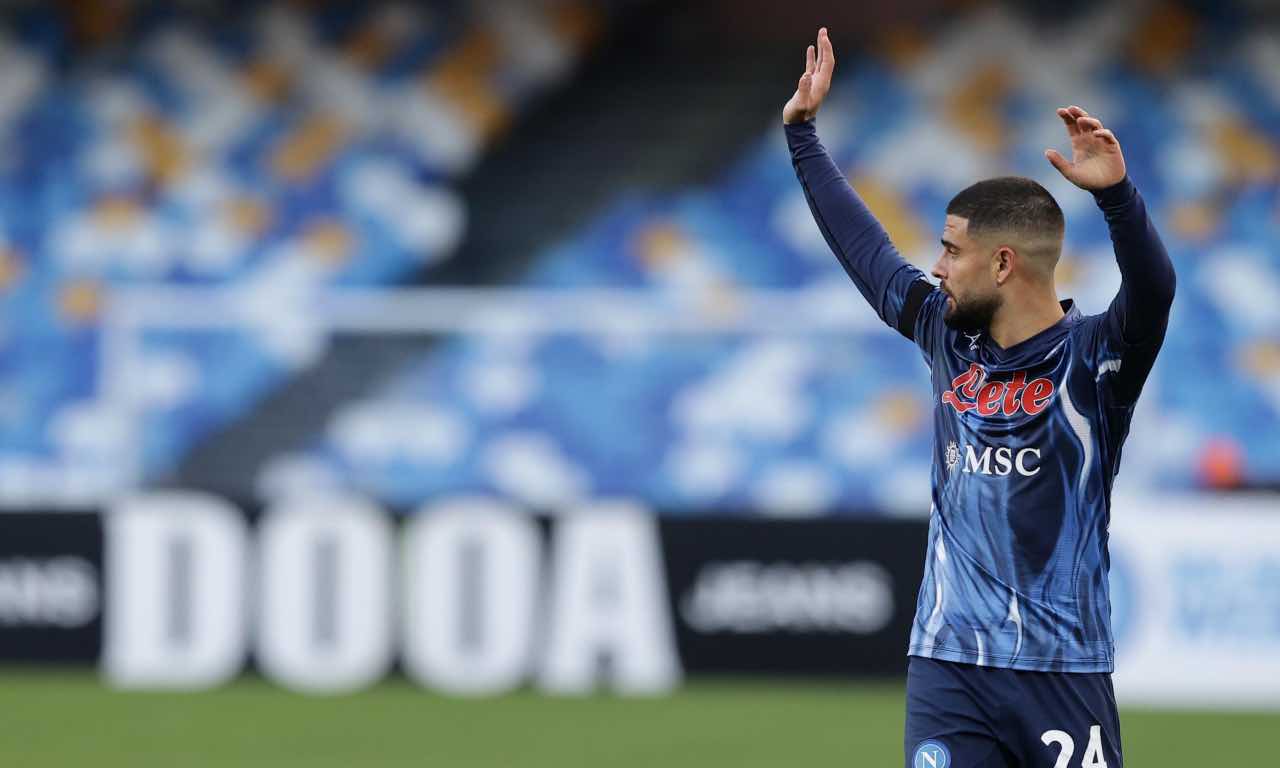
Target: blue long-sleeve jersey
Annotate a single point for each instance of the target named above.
(1026, 439)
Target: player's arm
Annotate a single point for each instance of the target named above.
(893, 287)
(1139, 314)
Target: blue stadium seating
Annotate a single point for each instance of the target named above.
(289, 154)
(839, 422)
(274, 153)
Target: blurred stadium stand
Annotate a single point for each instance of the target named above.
(261, 147)
(289, 153)
(652, 108)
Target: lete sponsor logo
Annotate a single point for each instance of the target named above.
(969, 392)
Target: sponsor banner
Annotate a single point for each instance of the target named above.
(1195, 592)
(474, 596)
(807, 597)
(50, 587)
(468, 596)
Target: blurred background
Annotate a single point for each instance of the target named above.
(476, 368)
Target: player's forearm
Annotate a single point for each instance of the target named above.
(1146, 272)
(850, 229)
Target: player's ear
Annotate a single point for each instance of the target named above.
(1002, 263)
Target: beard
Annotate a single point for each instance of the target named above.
(972, 314)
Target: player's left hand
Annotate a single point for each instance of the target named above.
(1096, 159)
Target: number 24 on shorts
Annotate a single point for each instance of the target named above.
(1092, 754)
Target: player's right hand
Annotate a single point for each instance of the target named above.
(814, 84)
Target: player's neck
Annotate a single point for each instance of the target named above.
(1017, 321)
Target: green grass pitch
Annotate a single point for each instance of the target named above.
(69, 719)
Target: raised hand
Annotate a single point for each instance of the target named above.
(1096, 159)
(819, 63)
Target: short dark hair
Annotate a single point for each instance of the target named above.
(1012, 203)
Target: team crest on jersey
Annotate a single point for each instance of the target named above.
(969, 391)
(931, 754)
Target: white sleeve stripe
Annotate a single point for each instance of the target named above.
(1111, 366)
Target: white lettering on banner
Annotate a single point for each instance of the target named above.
(177, 573)
(750, 597)
(609, 600)
(58, 592)
(471, 581)
(175, 569)
(325, 617)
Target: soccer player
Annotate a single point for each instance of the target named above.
(1011, 649)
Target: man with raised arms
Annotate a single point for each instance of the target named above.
(1011, 652)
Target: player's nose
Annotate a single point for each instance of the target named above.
(937, 271)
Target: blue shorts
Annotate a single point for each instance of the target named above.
(965, 716)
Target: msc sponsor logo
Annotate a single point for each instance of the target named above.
(970, 392)
(999, 461)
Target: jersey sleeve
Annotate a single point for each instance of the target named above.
(1133, 327)
(894, 288)
(930, 330)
